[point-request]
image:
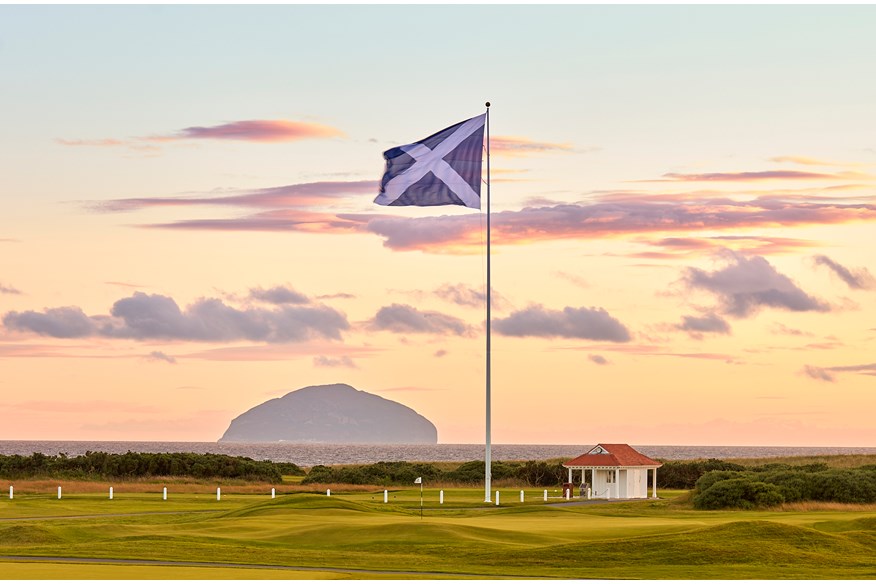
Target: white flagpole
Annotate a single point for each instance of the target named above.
(487, 458)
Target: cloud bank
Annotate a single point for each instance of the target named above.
(571, 323)
(403, 318)
(828, 373)
(857, 279)
(708, 323)
(278, 295)
(745, 285)
(156, 317)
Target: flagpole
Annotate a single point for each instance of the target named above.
(487, 457)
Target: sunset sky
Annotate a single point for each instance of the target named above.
(684, 220)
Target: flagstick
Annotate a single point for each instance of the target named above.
(487, 458)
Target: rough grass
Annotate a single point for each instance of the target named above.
(831, 460)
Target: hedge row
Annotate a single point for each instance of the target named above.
(101, 465)
(775, 484)
(531, 473)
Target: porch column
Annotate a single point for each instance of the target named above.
(654, 484)
(570, 475)
(590, 488)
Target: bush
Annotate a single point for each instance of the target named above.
(380, 473)
(740, 493)
(685, 474)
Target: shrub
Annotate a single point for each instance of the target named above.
(740, 493)
(685, 473)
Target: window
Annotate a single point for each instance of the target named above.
(611, 477)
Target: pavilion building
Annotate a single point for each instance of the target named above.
(615, 471)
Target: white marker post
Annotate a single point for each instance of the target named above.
(385, 496)
(218, 493)
(545, 494)
(441, 497)
(164, 494)
(328, 492)
(567, 494)
(111, 493)
(10, 492)
(521, 496)
(273, 493)
(59, 492)
(497, 498)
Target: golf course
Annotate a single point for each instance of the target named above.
(353, 534)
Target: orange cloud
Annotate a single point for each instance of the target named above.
(811, 161)
(516, 146)
(98, 142)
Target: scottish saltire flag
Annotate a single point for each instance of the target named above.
(443, 169)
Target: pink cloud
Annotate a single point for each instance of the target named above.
(605, 218)
(294, 195)
(748, 176)
(516, 146)
(256, 131)
(687, 246)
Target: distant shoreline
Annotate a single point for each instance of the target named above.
(311, 454)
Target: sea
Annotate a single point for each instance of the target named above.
(311, 454)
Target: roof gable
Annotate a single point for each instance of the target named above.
(612, 455)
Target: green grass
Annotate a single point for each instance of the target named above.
(464, 537)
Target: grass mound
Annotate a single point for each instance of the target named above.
(29, 535)
(299, 502)
(738, 543)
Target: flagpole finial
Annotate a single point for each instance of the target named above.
(488, 104)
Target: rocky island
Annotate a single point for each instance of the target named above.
(336, 414)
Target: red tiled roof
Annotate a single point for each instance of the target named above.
(618, 455)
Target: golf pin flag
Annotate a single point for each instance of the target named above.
(443, 169)
(418, 481)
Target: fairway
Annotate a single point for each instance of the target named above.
(356, 535)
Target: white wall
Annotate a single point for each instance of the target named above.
(633, 484)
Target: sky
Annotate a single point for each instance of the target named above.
(683, 209)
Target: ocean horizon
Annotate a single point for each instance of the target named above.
(311, 454)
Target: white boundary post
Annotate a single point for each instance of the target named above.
(111, 493)
(164, 494)
(10, 492)
(441, 497)
(497, 498)
(273, 493)
(59, 492)
(328, 492)
(545, 494)
(521, 495)
(218, 493)
(385, 495)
